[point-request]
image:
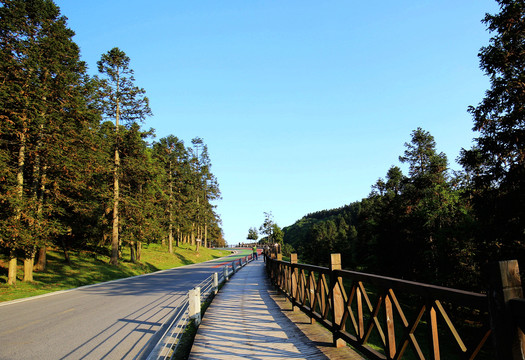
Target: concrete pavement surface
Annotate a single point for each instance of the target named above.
(113, 320)
(248, 319)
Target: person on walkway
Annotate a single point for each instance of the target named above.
(255, 252)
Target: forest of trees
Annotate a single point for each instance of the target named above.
(77, 171)
(436, 225)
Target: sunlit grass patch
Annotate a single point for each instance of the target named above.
(87, 268)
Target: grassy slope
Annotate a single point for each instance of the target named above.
(89, 268)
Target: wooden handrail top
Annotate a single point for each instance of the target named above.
(303, 266)
(461, 297)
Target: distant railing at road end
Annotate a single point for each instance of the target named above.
(190, 309)
(387, 318)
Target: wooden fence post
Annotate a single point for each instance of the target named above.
(281, 275)
(293, 280)
(337, 300)
(505, 284)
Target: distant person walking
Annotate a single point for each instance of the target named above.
(255, 252)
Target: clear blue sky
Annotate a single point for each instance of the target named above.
(303, 104)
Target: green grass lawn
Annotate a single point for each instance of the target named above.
(89, 268)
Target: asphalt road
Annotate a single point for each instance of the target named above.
(113, 320)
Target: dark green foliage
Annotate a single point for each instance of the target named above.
(287, 250)
(277, 234)
(416, 227)
(118, 97)
(46, 125)
(317, 235)
(120, 100)
(57, 159)
(252, 234)
(171, 154)
(496, 164)
(188, 190)
(141, 212)
(204, 189)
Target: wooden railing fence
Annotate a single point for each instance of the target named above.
(388, 318)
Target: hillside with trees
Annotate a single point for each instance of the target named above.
(77, 171)
(433, 224)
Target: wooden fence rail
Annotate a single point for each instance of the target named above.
(388, 318)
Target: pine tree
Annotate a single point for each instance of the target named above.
(126, 103)
(140, 187)
(205, 189)
(173, 157)
(496, 164)
(42, 91)
(252, 234)
(267, 227)
(425, 196)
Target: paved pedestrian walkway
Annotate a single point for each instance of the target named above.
(249, 320)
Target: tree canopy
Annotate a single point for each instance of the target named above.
(496, 164)
(75, 165)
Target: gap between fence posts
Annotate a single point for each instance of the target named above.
(505, 284)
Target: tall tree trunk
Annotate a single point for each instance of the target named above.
(11, 276)
(37, 190)
(28, 266)
(115, 225)
(170, 231)
(178, 236)
(196, 227)
(133, 255)
(170, 212)
(206, 235)
(139, 251)
(67, 259)
(105, 239)
(42, 259)
(115, 234)
(39, 187)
